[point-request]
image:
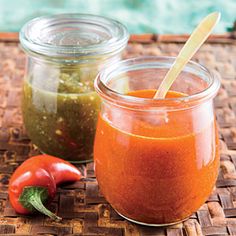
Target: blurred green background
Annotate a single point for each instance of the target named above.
(140, 16)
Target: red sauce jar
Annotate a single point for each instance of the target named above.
(156, 161)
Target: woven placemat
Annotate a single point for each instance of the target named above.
(83, 208)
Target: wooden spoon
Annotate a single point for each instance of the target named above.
(197, 38)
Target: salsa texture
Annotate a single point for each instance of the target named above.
(156, 174)
(60, 114)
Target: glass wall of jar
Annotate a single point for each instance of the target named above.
(65, 53)
(156, 160)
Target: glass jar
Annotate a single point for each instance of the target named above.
(156, 161)
(65, 53)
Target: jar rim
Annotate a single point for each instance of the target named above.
(155, 62)
(65, 35)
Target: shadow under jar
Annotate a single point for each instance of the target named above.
(156, 161)
(65, 53)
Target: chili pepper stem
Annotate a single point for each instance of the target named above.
(33, 198)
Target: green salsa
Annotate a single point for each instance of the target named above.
(65, 52)
(60, 113)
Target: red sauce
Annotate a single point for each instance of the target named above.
(156, 174)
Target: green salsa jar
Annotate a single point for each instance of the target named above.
(65, 54)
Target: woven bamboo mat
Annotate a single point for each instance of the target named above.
(83, 208)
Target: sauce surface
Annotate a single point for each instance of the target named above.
(156, 173)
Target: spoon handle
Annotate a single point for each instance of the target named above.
(197, 38)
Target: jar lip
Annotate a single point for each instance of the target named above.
(152, 62)
(73, 35)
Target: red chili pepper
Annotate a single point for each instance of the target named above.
(34, 183)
